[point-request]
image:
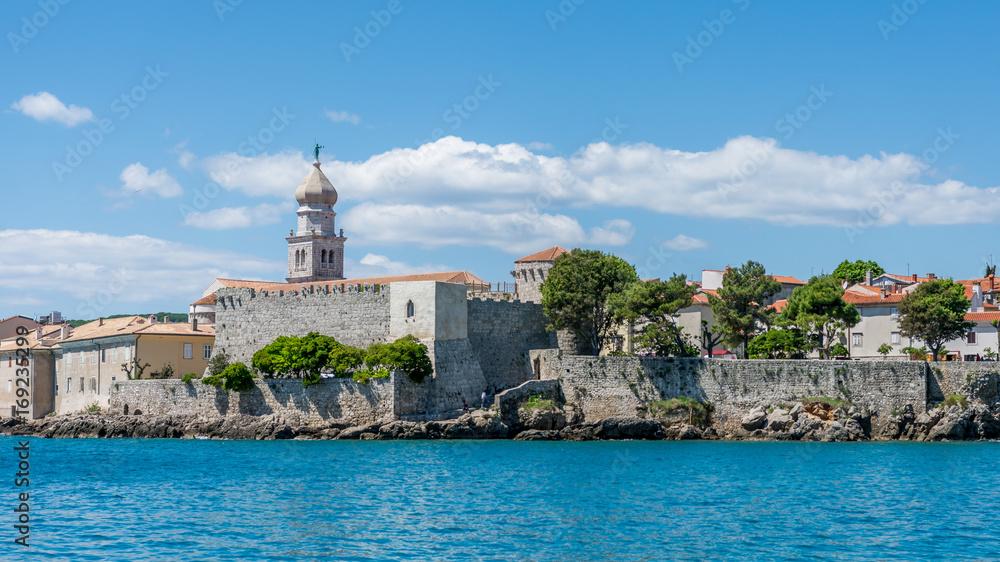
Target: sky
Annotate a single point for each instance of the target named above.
(151, 147)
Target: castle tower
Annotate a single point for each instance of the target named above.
(316, 251)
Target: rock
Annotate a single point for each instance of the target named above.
(803, 426)
(688, 432)
(950, 427)
(796, 411)
(581, 432)
(778, 420)
(630, 428)
(753, 420)
(353, 432)
(710, 433)
(402, 430)
(855, 429)
(542, 419)
(538, 435)
(984, 424)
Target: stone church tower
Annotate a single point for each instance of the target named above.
(316, 251)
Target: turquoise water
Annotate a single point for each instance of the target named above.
(160, 500)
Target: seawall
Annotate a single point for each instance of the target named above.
(623, 386)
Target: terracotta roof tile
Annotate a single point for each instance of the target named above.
(982, 316)
(545, 255)
(210, 299)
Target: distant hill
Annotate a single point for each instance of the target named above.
(173, 316)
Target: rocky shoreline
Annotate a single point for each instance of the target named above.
(811, 421)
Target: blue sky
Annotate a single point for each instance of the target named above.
(678, 136)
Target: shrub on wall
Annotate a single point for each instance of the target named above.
(406, 354)
(295, 356)
(236, 377)
(218, 363)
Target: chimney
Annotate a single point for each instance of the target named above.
(931, 276)
(38, 334)
(868, 278)
(914, 277)
(64, 331)
(152, 319)
(883, 293)
(194, 324)
(100, 321)
(977, 297)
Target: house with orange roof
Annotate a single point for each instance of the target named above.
(97, 355)
(41, 345)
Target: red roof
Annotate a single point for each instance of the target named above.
(210, 299)
(787, 280)
(982, 316)
(858, 298)
(907, 278)
(779, 305)
(545, 255)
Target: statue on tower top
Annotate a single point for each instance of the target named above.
(316, 151)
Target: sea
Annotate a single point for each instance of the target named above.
(200, 500)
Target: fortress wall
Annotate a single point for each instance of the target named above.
(502, 333)
(622, 386)
(339, 399)
(247, 320)
(979, 380)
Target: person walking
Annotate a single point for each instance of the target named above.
(482, 400)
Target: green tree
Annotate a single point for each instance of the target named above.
(654, 306)
(575, 295)
(779, 344)
(884, 349)
(855, 272)
(839, 350)
(818, 307)
(295, 356)
(406, 354)
(235, 377)
(739, 309)
(934, 313)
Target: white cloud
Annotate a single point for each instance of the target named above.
(458, 188)
(43, 106)
(239, 217)
(343, 117)
(514, 233)
(538, 146)
(265, 174)
(682, 243)
(136, 178)
(374, 265)
(88, 274)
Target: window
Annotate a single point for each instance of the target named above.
(81, 384)
(323, 256)
(114, 355)
(93, 358)
(187, 351)
(894, 313)
(206, 352)
(895, 337)
(104, 357)
(69, 384)
(409, 309)
(93, 384)
(857, 340)
(970, 338)
(10, 386)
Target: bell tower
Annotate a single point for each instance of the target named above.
(316, 250)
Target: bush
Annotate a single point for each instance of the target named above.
(93, 408)
(885, 349)
(218, 363)
(955, 400)
(839, 350)
(698, 412)
(364, 375)
(295, 356)
(236, 377)
(406, 354)
(189, 377)
(536, 402)
(344, 360)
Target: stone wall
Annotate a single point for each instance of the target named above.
(622, 386)
(502, 333)
(247, 320)
(339, 399)
(977, 380)
(508, 401)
